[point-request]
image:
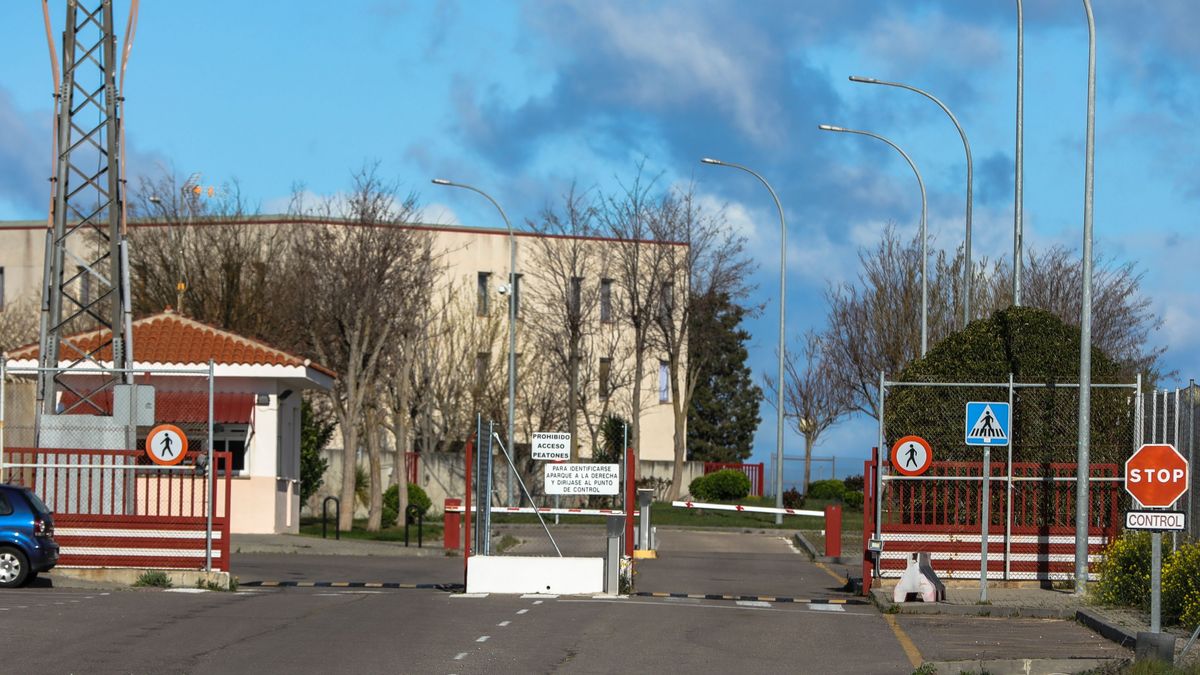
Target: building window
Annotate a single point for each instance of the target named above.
(481, 302)
(664, 382)
(605, 375)
(606, 306)
(575, 296)
(516, 293)
(667, 298)
(85, 285)
(232, 438)
(482, 361)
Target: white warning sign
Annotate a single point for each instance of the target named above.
(552, 445)
(582, 479)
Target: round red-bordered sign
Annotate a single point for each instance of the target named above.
(911, 456)
(166, 445)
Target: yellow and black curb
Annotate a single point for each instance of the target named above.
(349, 584)
(755, 598)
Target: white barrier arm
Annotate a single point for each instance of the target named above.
(748, 509)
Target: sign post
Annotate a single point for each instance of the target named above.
(988, 425)
(1156, 476)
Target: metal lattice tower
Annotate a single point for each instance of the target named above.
(85, 283)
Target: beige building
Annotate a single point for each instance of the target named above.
(474, 273)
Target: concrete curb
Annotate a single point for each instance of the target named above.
(881, 600)
(1018, 666)
(811, 549)
(1109, 631)
(119, 578)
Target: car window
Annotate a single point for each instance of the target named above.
(5, 508)
(36, 503)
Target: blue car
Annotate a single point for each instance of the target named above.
(27, 545)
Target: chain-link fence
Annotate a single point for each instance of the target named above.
(82, 450)
(1026, 488)
(1170, 417)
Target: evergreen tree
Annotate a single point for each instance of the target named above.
(315, 431)
(723, 415)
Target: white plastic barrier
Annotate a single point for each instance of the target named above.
(516, 574)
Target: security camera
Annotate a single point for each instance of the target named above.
(502, 289)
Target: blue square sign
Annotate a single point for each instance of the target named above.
(987, 423)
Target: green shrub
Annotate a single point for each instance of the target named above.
(1125, 572)
(391, 502)
(853, 499)
(827, 489)
(153, 579)
(720, 485)
(854, 483)
(792, 499)
(1181, 586)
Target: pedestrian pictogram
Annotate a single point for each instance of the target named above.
(1156, 475)
(987, 423)
(911, 456)
(166, 444)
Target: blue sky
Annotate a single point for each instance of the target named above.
(524, 98)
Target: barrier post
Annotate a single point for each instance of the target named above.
(868, 518)
(451, 525)
(833, 531)
(630, 500)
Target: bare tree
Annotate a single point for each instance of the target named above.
(813, 400)
(19, 323)
(701, 256)
(874, 325)
(207, 257)
(353, 280)
(565, 300)
(637, 263)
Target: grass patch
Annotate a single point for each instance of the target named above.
(311, 527)
(153, 579)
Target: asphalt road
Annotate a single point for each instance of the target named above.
(362, 630)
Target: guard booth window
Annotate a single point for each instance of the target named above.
(233, 438)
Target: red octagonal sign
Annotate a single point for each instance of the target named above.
(1156, 475)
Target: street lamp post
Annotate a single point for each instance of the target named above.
(966, 314)
(1019, 177)
(782, 344)
(512, 319)
(924, 236)
(1085, 328)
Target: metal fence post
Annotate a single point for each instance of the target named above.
(1008, 492)
(1191, 519)
(208, 516)
(879, 468)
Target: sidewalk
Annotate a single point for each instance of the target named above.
(306, 545)
(1019, 599)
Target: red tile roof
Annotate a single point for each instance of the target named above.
(169, 338)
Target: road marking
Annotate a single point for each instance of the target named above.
(460, 656)
(827, 608)
(537, 602)
(841, 579)
(522, 611)
(183, 590)
(483, 638)
(468, 595)
(503, 623)
(548, 596)
(906, 643)
(684, 601)
(753, 603)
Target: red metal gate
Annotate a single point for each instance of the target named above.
(112, 508)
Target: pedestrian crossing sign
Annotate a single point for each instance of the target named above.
(987, 423)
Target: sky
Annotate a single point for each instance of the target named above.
(524, 99)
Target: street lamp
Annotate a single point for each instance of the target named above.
(924, 237)
(1019, 173)
(512, 318)
(966, 315)
(782, 344)
(1085, 338)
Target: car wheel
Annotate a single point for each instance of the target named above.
(14, 568)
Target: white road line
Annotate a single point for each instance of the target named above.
(827, 608)
(548, 596)
(522, 611)
(460, 656)
(483, 638)
(683, 601)
(503, 623)
(537, 602)
(468, 595)
(753, 603)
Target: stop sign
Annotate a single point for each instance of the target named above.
(1156, 475)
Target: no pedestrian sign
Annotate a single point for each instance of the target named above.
(551, 445)
(166, 445)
